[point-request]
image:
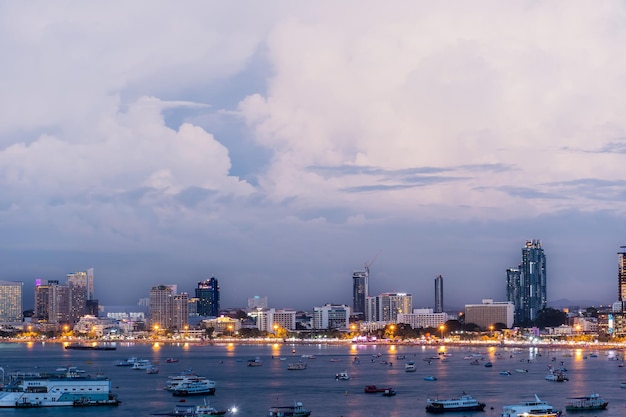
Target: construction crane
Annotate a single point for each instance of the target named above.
(367, 273)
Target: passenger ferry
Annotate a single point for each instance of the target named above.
(463, 403)
(56, 389)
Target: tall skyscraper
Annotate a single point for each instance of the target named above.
(526, 285)
(387, 306)
(10, 301)
(621, 275)
(208, 295)
(161, 306)
(78, 284)
(359, 291)
(438, 294)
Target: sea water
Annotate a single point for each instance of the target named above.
(253, 390)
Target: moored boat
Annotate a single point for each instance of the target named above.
(586, 403)
(374, 389)
(342, 376)
(297, 366)
(295, 410)
(255, 362)
(463, 403)
(184, 410)
(556, 376)
(532, 408)
(410, 367)
(430, 378)
(197, 387)
(39, 389)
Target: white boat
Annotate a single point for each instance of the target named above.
(296, 410)
(342, 376)
(586, 403)
(297, 366)
(55, 390)
(142, 365)
(128, 362)
(195, 387)
(410, 367)
(176, 382)
(536, 408)
(152, 370)
(463, 403)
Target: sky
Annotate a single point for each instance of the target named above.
(279, 146)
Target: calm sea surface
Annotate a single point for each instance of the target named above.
(254, 389)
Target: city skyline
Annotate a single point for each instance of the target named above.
(284, 146)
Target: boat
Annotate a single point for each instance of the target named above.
(488, 364)
(255, 362)
(586, 403)
(556, 376)
(142, 365)
(128, 362)
(171, 360)
(89, 347)
(430, 378)
(463, 403)
(55, 389)
(410, 367)
(370, 389)
(622, 384)
(152, 370)
(194, 387)
(343, 376)
(184, 410)
(295, 410)
(506, 373)
(297, 366)
(176, 382)
(389, 392)
(536, 408)
(521, 370)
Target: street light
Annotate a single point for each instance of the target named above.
(442, 328)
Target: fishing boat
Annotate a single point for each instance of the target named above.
(389, 392)
(586, 403)
(430, 378)
(295, 410)
(463, 403)
(556, 376)
(55, 389)
(536, 408)
(410, 367)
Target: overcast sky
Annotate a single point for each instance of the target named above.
(279, 146)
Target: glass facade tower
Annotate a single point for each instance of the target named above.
(438, 294)
(208, 295)
(526, 285)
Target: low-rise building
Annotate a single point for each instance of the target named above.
(490, 313)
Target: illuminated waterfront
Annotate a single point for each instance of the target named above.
(254, 389)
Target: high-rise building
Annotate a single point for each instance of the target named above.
(180, 311)
(526, 285)
(438, 294)
(621, 275)
(52, 302)
(161, 306)
(386, 306)
(208, 295)
(360, 291)
(79, 291)
(10, 301)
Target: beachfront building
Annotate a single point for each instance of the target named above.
(168, 309)
(270, 319)
(439, 294)
(331, 316)
(423, 318)
(489, 313)
(208, 295)
(223, 325)
(526, 285)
